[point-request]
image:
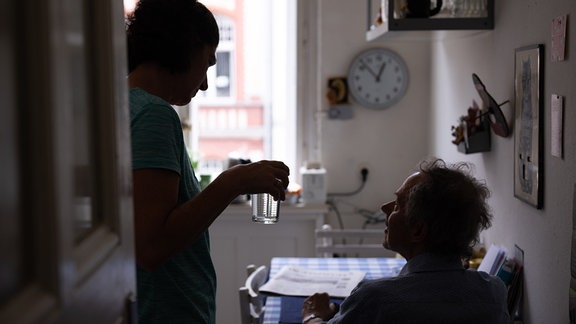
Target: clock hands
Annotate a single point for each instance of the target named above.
(376, 76)
(382, 67)
(370, 70)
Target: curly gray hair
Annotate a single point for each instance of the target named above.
(452, 204)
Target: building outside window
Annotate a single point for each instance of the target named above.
(249, 109)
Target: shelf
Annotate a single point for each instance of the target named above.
(442, 21)
(477, 143)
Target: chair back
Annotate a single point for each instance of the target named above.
(251, 301)
(350, 242)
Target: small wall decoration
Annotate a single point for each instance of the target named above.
(558, 38)
(497, 120)
(528, 128)
(472, 135)
(556, 126)
(337, 91)
(337, 95)
(572, 286)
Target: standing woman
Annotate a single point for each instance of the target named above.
(171, 44)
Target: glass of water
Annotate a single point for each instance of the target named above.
(265, 210)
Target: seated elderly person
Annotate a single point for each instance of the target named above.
(433, 223)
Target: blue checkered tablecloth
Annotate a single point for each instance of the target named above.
(374, 268)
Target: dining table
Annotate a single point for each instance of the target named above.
(374, 268)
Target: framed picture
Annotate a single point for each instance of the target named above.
(528, 126)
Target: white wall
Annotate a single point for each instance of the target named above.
(388, 142)
(391, 142)
(545, 235)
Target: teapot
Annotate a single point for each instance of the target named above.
(422, 8)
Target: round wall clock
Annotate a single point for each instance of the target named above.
(377, 78)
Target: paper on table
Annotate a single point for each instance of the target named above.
(295, 281)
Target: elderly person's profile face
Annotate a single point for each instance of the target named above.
(398, 234)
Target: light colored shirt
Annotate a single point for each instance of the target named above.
(183, 289)
(429, 289)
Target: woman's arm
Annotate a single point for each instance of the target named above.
(162, 227)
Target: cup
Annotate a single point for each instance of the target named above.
(265, 209)
(422, 8)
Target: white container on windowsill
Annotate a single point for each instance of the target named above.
(313, 184)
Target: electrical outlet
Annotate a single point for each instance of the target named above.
(340, 112)
(364, 172)
(364, 165)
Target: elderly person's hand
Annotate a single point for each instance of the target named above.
(317, 308)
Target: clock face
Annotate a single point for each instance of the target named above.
(377, 78)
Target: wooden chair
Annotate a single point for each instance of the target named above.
(350, 242)
(251, 301)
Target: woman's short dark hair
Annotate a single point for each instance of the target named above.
(452, 204)
(168, 33)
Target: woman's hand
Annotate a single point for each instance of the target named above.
(259, 177)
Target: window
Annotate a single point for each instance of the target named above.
(249, 110)
(220, 77)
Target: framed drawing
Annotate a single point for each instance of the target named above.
(528, 126)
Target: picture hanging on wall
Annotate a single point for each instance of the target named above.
(528, 127)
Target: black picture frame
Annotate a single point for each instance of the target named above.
(528, 126)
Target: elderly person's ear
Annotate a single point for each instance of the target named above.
(419, 232)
